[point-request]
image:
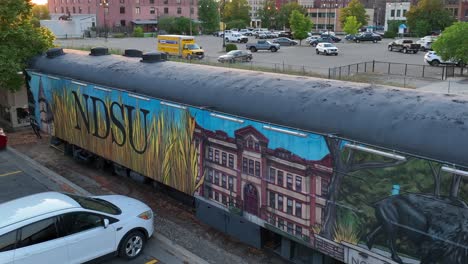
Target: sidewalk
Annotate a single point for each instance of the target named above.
(458, 85)
(174, 221)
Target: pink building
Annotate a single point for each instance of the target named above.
(115, 13)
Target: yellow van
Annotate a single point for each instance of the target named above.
(182, 46)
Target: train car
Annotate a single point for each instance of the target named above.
(312, 168)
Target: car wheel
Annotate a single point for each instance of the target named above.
(314, 44)
(375, 41)
(336, 54)
(317, 51)
(273, 49)
(253, 49)
(357, 41)
(132, 245)
(423, 49)
(390, 48)
(435, 63)
(405, 50)
(227, 40)
(415, 51)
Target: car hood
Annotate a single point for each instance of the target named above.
(197, 50)
(128, 205)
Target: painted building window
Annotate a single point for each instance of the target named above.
(210, 154)
(210, 176)
(231, 183)
(210, 192)
(216, 196)
(179, 10)
(281, 223)
(324, 188)
(257, 168)
(216, 178)
(298, 230)
(224, 158)
(122, 10)
(166, 10)
(257, 146)
(298, 209)
(290, 227)
(152, 10)
(280, 178)
(137, 10)
(223, 181)
(244, 165)
(223, 199)
(217, 156)
(250, 144)
(289, 181)
(298, 183)
(289, 207)
(251, 167)
(280, 202)
(231, 161)
(272, 175)
(272, 199)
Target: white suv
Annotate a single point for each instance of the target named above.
(433, 59)
(62, 228)
(326, 48)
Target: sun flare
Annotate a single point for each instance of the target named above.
(39, 2)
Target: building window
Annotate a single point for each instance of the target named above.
(298, 230)
(324, 188)
(217, 156)
(122, 1)
(179, 10)
(137, 10)
(223, 158)
(280, 178)
(216, 178)
(191, 2)
(178, 1)
(223, 199)
(290, 228)
(289, 207)
(272, 199)
(151, 1)
(80, 10)
(257, 168)
(272, 175)
(89, 10)
(257, 146)
(191, 10)
(298, 184)
(223, 181)
(152, 10)
(250, 144)
(280, 202)
(231, 161)
(74, 10)
(231, 183)
(398, 13)
(298, 209)
(210, 174)
(251, 167)
(210, 193)
(122, 10)
(404, 12)
(280, 223)
(392, 13)
(289, 181)
(244, 165)
(216, 196)
(166, 2)
(166, 10)
(210, 154)
(62, 9)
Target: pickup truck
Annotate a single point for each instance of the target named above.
(404, 45)
(263, 45)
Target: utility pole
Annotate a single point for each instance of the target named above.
(190, 11)
(224, 26)
(105, 4)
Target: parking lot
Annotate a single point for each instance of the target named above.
(303, 55)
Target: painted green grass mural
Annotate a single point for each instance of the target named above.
(169, 155)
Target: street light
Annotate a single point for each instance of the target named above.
(105, 4)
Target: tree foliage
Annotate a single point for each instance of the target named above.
(354, 8)
(268, 14)
(19, 41)
(428, 15)
(177, 25)
(39, 12)
(285, 13)
(236, 10)
(236, 24)
(300, 25)
(453, 43)
(208, 15)
(351, 25)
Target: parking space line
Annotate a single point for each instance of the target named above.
(10, 173)
(153, 261)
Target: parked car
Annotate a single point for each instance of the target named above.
(433, 59)
(326, 48)
(326, 32)
(310, 39)
(426, 42)
(328, 39)
(350, 37)
(263, 45)
(235, 55)
(286, 34)
(285, 41)
(261, 35)
(331, 38)
(404, 45)
(54, 227)
(246, 32)
(367, 36)
(236, 37)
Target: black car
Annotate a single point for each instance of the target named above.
(329, 39)
(285, 41)
(285, 34)
(367, 36)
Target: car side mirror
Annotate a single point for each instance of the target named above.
(106, 222)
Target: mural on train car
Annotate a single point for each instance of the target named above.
(349, 204)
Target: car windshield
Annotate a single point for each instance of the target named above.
(232, 52)
(96, 204)
(192, 46)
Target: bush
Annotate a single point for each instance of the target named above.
(138, 32)
(230, 47)
(118, 35)
(389, 34)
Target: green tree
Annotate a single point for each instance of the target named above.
(452, 44)
(284, 14)
(208, 15)
(300, 25)
(19, 41)
(236, 10)
(351, 25)
(354, 8)
(236, 24)
(268, 14)
(39, 12)
(428, 15)
(176, 25)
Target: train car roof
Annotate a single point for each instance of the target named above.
(424, 124)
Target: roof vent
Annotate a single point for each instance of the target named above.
(54, 52)
(153, 57)
(99, 51)
(134, 53)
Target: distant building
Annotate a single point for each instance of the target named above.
(255, 6)
(395, 11)
(329, 18)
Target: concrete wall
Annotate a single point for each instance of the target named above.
(10, 104)
(69, 29)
